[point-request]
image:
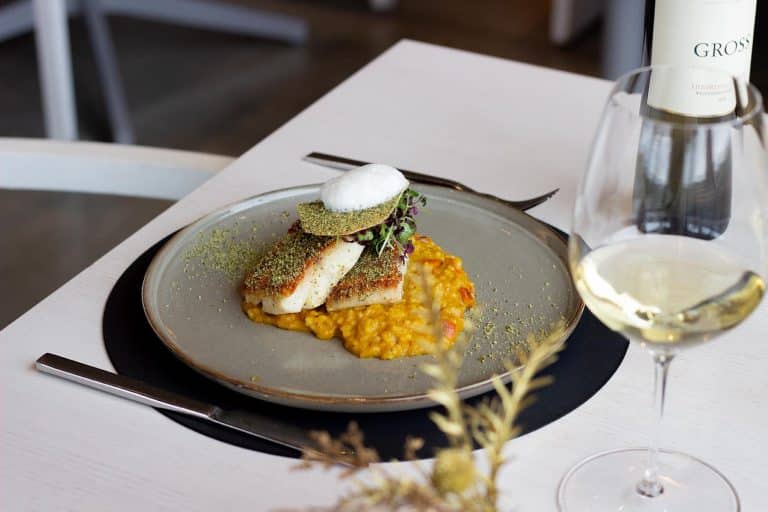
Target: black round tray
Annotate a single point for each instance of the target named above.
(591, 356)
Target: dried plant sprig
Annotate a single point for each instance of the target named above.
(347, 450)
(454, 482)
(493, 423)
(445, 369)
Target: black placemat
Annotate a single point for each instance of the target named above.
(591, 356)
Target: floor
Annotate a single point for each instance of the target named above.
(246, 88)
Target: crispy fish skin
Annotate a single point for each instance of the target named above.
(299, 271)
(373, 280)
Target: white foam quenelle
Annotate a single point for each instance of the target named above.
(364, 187)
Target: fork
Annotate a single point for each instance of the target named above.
(344, 164)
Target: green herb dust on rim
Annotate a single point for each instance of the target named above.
(318, 220)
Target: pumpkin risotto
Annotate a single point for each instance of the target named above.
(388, 331)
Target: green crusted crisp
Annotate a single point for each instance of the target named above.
(317, 220)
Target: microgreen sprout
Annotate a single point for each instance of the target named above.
(396, 231)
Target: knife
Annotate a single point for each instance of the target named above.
(257, 425)
(342, 163)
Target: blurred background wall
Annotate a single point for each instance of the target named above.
(205, 90)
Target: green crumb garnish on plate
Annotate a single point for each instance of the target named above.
(220, 250)
(317, 220)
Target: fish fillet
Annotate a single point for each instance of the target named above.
(373, 280)
(299, 272)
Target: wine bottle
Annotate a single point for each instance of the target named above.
(676, 191)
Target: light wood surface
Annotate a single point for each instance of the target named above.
(504, 127)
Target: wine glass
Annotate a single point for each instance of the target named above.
(668, 249)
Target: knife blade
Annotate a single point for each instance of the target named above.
(249, 422)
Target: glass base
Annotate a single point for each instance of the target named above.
(608, 482)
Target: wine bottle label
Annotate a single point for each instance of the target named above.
(714, 34)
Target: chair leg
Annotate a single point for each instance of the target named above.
(211, 15)
(15, 19)
(54, 62)
(109, 73)
(622, 37)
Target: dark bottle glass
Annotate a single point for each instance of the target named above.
(683, 176)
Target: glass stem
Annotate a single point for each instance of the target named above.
(650, 485)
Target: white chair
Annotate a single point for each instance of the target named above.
(48, 18)
(40, 164)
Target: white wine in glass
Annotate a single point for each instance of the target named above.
(681, 283)
(667, 289)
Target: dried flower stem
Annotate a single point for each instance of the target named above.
(500, 428)
(454, 484)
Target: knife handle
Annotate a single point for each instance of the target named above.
(122, 386)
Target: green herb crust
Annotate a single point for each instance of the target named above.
(318, 220)
(283, 265)
(371, 273)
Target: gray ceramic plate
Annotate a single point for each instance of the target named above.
(191, 299)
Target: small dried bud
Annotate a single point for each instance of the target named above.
(454, 470)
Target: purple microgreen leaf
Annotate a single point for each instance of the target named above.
(396, 230)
